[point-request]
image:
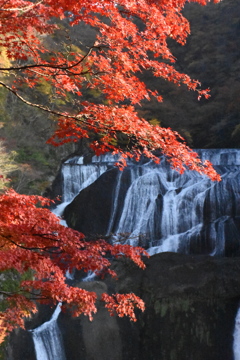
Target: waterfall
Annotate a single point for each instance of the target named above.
(162, 210)
(76, 175)
(236, 337)
(89, 277)
(174, 211)
(48, 339)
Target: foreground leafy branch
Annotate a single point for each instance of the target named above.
(23, 225)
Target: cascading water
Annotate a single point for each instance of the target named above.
(165, 211)
(48, 339)
(76, 176)
(175, 211)
(236, 337)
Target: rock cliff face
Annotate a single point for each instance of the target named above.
(191, 305)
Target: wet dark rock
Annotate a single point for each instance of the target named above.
(91, 210)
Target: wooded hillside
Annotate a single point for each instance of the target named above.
(212, 55)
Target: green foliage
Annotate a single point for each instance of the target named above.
(25, 131)
(27, 154)
(155, 122)
(7, 165)
(44, 87)
(10, 284)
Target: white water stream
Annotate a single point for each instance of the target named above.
(236, 337)
(48, 339)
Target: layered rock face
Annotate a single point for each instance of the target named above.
(191, 305)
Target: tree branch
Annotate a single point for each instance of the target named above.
(61, 66)
(48, 249)
(32, 296)
(23, 9)
(41, 107)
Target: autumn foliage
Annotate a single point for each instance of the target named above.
(34, 243)
(130, 37)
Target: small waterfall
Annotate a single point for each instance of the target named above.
(115, 203)
(89, 277)
(76, 176)
(236, 337)
(137, 217)
(48, 339)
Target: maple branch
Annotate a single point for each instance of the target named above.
(6, 293)
(23, 9)
(130, 13)
(99, 127)
(26, 44)
(46, 248)
(33, 296)
(78, 118)
(47, 237)
(70, 73)
(62, 66)
(41, 107)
